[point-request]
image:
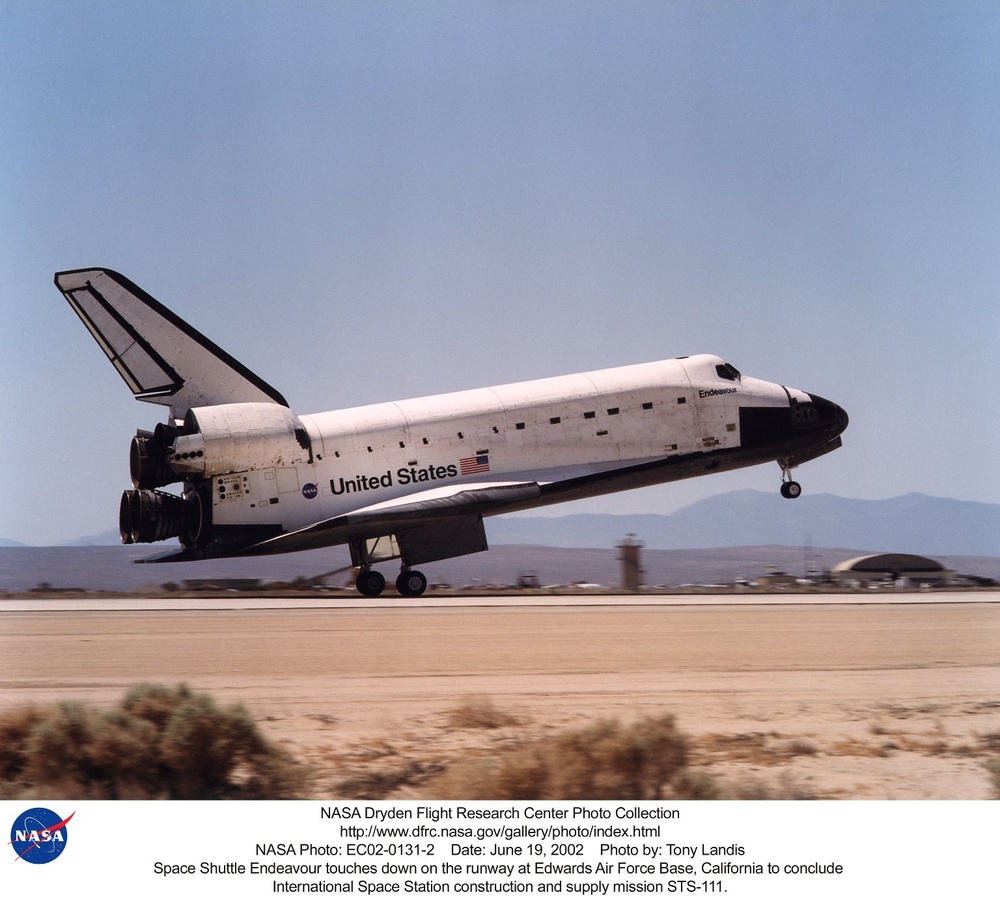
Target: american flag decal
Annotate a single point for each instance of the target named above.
(476, 464)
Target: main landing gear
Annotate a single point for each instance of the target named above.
(409, 582)
(370, 583)
(789, 488)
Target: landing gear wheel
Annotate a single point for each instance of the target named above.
(370, 583)
(791, 490)
(411, 583)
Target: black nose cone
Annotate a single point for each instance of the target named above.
(802, 426)
(829, 415)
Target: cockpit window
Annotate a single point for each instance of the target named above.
(728, 371)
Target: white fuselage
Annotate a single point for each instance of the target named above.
(541, 430)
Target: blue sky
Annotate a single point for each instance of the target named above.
(365, 201)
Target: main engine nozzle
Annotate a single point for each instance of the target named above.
(149, 458)
(145, 516)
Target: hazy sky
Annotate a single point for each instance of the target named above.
(375, 200)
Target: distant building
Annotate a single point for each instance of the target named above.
(775, 579)
(630, 556)
(899, 569)
(222, 584)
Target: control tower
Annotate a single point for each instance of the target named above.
(629, 554)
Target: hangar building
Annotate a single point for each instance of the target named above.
(900, 569)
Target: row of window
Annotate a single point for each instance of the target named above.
(591, 415)
(520, 425)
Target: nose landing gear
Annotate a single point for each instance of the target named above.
(789, 488)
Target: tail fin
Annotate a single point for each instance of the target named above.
(160, 357)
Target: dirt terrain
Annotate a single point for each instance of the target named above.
(874, 696)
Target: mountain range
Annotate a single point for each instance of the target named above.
(913, 523)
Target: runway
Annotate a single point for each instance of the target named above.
(854, 695)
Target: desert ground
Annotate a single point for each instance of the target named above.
(862, 696)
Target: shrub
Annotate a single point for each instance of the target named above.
(15, 727)
(991, 745)
(993, 769)
(160, 742)
(479, 712)
(600, 761)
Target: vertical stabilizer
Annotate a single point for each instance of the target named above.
(161, 358)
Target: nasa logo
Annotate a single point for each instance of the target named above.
(310, 490)
(39, 835)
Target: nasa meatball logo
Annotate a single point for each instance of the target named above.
(39, 836)
(310, 490)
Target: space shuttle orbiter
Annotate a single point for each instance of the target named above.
(412, 479)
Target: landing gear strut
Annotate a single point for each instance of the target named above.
(789, 488)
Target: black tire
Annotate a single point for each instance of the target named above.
(791, 490)
(411, 583)
(370, 583)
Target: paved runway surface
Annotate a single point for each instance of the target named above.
(863, 696)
